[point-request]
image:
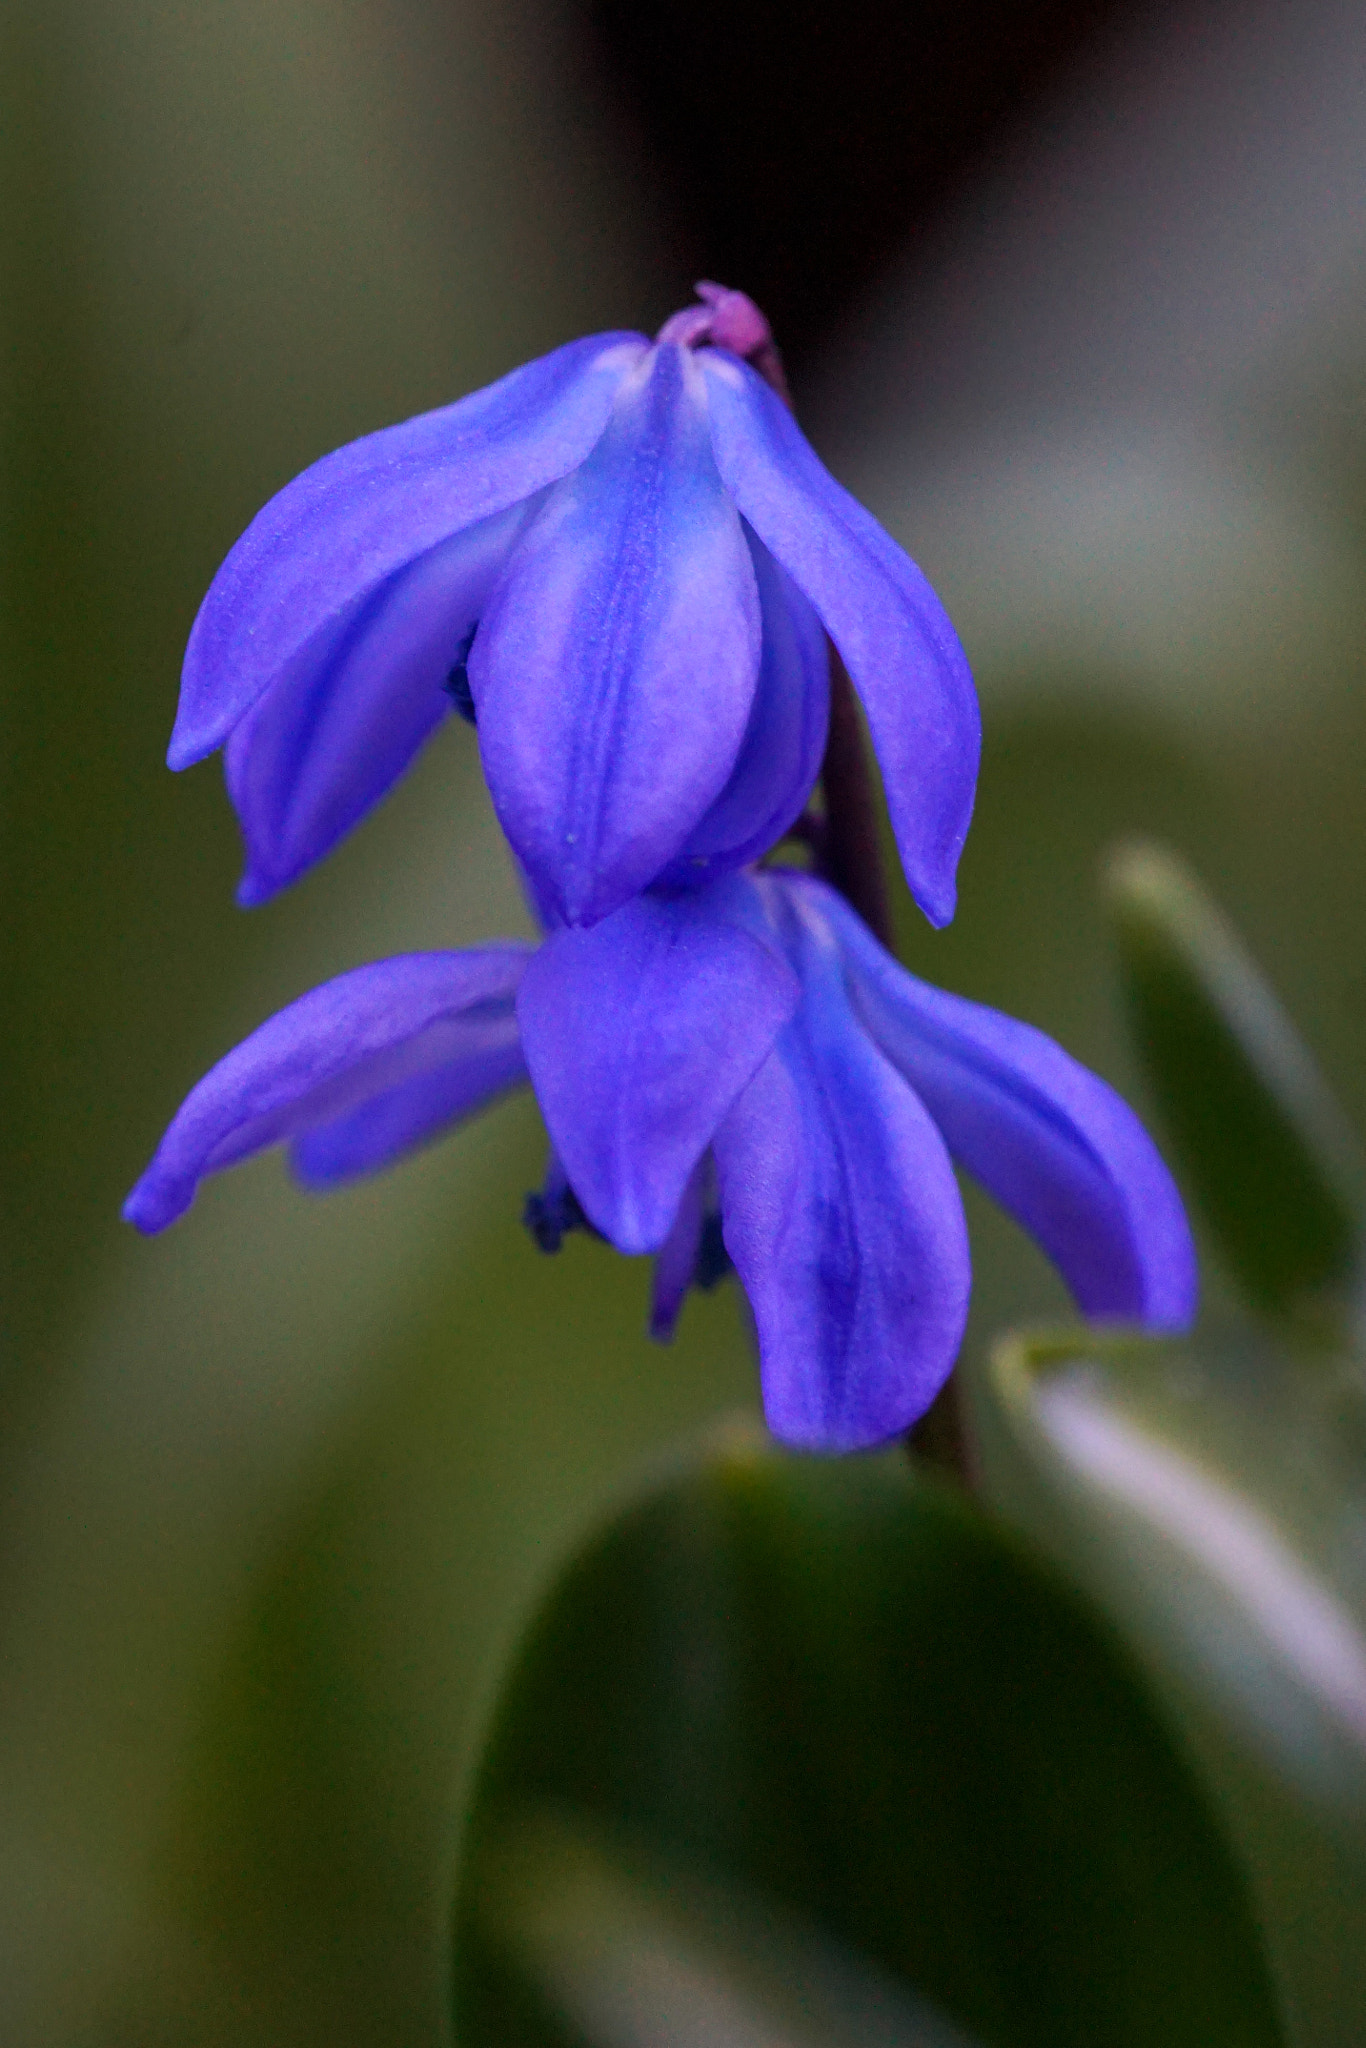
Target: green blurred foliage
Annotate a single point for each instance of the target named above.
(843, 1688)
(602, 1930)
(1212, 1494)
(1213, 1498)
(1260, 1141)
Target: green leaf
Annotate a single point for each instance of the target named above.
(1257, 1136)
(838, 1691)
(1213, 1499)
(633, 1946)
(1216, 1499)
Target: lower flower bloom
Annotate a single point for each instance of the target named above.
(738, 1073)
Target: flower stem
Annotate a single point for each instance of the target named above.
(849, 858)
(851, 851)
(851, 861)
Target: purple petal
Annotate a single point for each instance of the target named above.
(615, 667)
(639, 1034)
(345, 717)
(895, 637)
(842, 1215)
(335, 534)
(780, 755)
(416, 1111)
(360, 1043)
(1051, 1141)
(676, 1259)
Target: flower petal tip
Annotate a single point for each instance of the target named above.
(1173, 1281)
(939, 902)
(638, 1236)
(579, 904)
(187, 748)
(836, 1444)
(151, 1205)
(255, 889)
(580, 897)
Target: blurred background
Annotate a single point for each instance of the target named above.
(1072, 297)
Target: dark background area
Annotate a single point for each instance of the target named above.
(805, 145)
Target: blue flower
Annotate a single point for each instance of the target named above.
(621, 561)
(743, 1051)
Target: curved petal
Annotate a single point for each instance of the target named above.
(841, 1213)
(1051, 1141)
(413, 1113)
(333, 535)
(639, 1034)
(895, 636)
(676, 1259)
(344, 719)
(360, 1042)
(615, 665)
(780, 755)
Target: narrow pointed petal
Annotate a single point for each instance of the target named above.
(676, 1259)
(780, 755)
(335, 534)
(896, 639)
(615, 667)
(841, 1212)
(1051, 1141)
(343, 721)
(639, 1034)
(361, 1042)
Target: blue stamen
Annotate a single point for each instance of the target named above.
(551, 1216)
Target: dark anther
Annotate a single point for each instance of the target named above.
(713, 1260)
(551, 1217)
(457, 686)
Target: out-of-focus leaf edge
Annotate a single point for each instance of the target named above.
(1263, 1148)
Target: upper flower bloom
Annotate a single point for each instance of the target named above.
(618, 560)
(743, 1050)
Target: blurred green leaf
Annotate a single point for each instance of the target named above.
(1220, 1497)
(637, 1949)
(1213, 1500)
(839, 1685)
(1258, 1137)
